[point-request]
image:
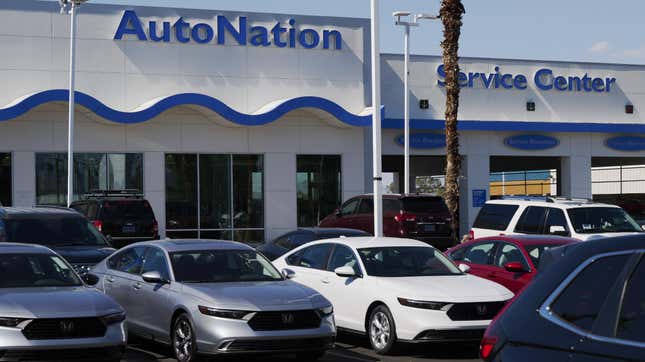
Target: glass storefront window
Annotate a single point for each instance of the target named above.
(92, 171)
(215, 197)
(5, 179)
(319, 181)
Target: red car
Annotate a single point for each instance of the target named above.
(511, 260)
(421, 217)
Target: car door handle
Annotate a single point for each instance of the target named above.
(325, 281)
(137, 286)
(109, 279)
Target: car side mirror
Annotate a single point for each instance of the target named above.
(464, 268)
(515, 267)
(558, 230)
(153, 277)
(288, 273)
(345, 272)
(643, 227)
(90, 279)
(338, 213)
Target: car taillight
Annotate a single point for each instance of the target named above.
(486, 347)
(403, 216)
(471, 234)
(98, 224)
(491, 337)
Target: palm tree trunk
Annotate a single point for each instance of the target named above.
(451, 14)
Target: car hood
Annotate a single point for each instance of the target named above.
(83, 254)
(464, 288)
(255, 296)
(55, 302)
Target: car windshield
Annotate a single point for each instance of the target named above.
(221, 266)
(36, 270)
(536, 252)
(53, 231)
(406, 262)
(590, 220)
(424, 204)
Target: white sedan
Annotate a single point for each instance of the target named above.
(396, 290)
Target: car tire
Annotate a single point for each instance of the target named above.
(381, 330)
(184, 345)
(310, 356)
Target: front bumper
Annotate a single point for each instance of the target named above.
(449, 335)
(72, 354)
(423, 325)
(229, 336)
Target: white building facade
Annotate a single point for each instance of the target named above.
(244, 125)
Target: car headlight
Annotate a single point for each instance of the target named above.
(10, 322)
(225, 313)
(326, 311)
(113, 318)
(421, 304)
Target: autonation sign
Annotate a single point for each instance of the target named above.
(544, 79)
(202, 33)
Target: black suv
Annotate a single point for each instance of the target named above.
(123, 216)
(64, 230)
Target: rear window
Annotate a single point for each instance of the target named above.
(53, 231)
(130, 209)
(423, 204)
(495, 216)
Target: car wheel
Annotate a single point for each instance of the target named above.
(381, 330)
(183, 340)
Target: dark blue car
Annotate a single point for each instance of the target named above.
(281, 245)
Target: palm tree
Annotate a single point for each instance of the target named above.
(451, 14)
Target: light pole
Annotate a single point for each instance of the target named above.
(376, 120)
(406, 78)
(70, 6)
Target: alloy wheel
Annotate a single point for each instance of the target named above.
(183, 343)
(380, 331)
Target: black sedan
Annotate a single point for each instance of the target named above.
(588, 306)
(282, 244)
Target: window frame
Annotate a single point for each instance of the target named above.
(519, 225)
(498, 253)
(342, 206)
(360, 273)
(545, 309)
(150, 249)
(490, 205)
(121, 252)
(303, 250)
(491, 257)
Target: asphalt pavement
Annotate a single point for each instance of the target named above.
(349, 348)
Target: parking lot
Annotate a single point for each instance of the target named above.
(348, 348)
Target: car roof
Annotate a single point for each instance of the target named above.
(177, 245)
(372, 242)
(318, 231)
(558, 203)
(531, 239)
(17, 248)
(398, 196)
(40, 211)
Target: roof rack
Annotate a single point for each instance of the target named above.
(125, 193)
(528, 198)
(58, 207)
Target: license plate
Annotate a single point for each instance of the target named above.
(129, 228)
(429, 228)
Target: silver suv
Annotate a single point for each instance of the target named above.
(577, 218)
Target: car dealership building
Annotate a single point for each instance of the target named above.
(245, 125)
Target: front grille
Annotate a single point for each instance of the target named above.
(85, 354)
(475, 311)
(286, 320)
(279, 345)
(451, 335)
(71, 328)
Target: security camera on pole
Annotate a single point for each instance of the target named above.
(406, 78)
(70, 6)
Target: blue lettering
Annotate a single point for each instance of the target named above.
(165, 36)
(260, 36)
(441, 71)
(609, 82)
(560, 83)
(471, 79)
(540, 82)
(292, 35)
(130, 24)
(505, 81)
(223, 26)
(496, 77)
(520, 81)
(180, 25)
(462, 79)
(586, 83)
(598, 85)
(575, 84)
(487, 81)
(277, 32)
(337, 36)
(309, 38)
(202, 29)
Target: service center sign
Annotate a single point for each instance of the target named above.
(544, 79)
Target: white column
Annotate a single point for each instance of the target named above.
(476, 170)
(154, 186)
(576, 177)
(23, 174)
(280, 195)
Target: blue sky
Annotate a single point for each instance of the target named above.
(577, 30)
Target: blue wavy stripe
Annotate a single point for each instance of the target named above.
(215, 105)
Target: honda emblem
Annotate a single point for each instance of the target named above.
(287, 318)
(67, 327)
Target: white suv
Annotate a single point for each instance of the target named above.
(580, 219)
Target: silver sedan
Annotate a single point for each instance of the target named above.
(46, 311)
(215, 297)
